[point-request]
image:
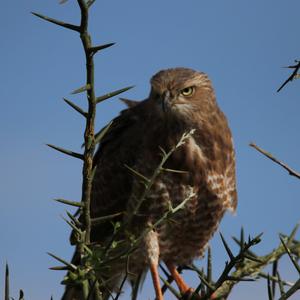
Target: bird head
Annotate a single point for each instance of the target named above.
(182, 92)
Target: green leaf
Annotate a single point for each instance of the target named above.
(57, 22)
(65, 151)
(77, 108)
(112, 94)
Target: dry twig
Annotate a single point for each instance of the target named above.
(270, 156)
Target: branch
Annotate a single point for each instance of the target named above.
(292, 76)
(270, 156)
(165, 156)
(251, 267)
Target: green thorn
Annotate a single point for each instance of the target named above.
(68, 202)
(145, 179)
(59, 268)
(112, 94)
(73, 267)
(99, 136)
(74, 219)
(281, 288)
(57, 22)
(99, 220)
(81, 89)
(77, 108)
(288, 251)
(65, 151)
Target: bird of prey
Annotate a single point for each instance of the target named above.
(181, 100)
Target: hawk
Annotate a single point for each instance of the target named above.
(180, 100)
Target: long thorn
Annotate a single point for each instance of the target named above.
(231, 256)
(288, 251)
(6, 293)
(112, 94)
(65, 151)
(77, 108)
(73, 267)
(57, 22)
(69, 202)
(95, 49)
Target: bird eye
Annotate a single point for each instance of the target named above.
(187, 91)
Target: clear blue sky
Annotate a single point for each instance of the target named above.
(242, 45)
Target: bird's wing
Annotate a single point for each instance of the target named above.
(112, 181)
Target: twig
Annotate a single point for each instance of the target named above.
(292, 76)
(250, 268)
(165, 156)
(270, 156)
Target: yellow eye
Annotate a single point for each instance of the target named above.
(188, 91)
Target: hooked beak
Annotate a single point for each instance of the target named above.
(165, 101)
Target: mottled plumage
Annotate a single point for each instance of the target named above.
(180, 100)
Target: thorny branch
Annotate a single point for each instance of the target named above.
(293, 75)
(165, 156)
(240, 267)
(246, 265)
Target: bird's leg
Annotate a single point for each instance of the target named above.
(183, 287)
(152, 249)
(155, 279)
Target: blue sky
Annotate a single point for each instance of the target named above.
(242, 45)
